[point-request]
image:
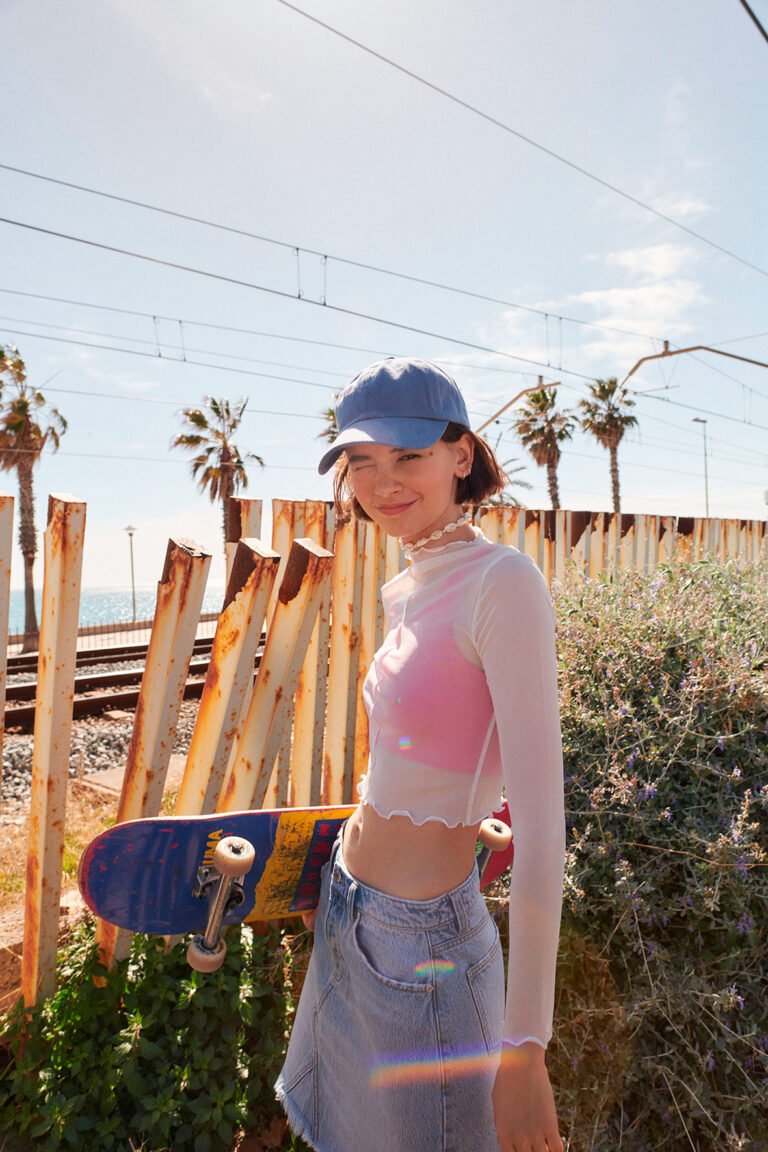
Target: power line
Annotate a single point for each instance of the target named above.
(166, 359)
(712, 439)
(698, 408)
(525, 139)
(141, 459)
(663, 443)
(754, 19)
(296, 249)
(249, 331)
(651, 467)
(284, 295)
(247, 372)
(158, 355)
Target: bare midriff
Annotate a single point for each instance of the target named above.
(411, 861)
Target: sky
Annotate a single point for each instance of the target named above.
(512, 189)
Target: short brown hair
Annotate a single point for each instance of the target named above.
(484, 480)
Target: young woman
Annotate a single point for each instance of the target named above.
(402, 1041)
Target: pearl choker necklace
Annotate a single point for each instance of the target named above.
(409, 549)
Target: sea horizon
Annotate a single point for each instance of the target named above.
(109, 604)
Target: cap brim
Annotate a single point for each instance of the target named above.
(403, 432)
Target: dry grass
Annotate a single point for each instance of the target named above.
(89, 811)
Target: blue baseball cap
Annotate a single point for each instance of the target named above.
(400, 402)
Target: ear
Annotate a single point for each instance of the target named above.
(465, 451)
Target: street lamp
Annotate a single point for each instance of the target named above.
(130, 530)
(702, 421)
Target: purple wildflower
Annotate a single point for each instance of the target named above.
(745, 924)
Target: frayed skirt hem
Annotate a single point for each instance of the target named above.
(296, 1120)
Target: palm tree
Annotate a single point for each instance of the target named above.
(542, 429)
(331, 430)
(27, 424)
(606, 416)
(218, 464)
(507, 498)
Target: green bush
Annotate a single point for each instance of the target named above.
(661, 1038)
(662, 1020)
(151, 1054)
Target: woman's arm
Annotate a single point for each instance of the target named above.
(514, 635)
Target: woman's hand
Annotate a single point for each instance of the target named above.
(309, 919)
(523, 1104)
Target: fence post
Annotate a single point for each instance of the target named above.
(306, 574)
(6, 549)
(229, 678)
(342, 676)
(243, 521)
(306, 753)
(366, 646)
(50, 754)
(177, 612)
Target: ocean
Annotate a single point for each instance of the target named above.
(108, 605)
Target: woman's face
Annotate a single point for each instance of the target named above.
(409, 492)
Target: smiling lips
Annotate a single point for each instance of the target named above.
(394, 509)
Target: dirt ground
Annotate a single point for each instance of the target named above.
(89, 811)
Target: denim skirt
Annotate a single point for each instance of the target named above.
(397, 1035)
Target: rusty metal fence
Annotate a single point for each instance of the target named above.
(294, 733)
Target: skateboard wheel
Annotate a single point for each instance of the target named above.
(233, 856)
(495, 834)
(204, 959)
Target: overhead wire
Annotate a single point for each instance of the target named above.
(296, 248)
(177, 348)
(247, 331)
(754, 19)
(493, 120)
(237, 282)
(636, 464)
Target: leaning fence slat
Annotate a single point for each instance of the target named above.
(287, 526)
(177, 611)
(243, 522)
(307, 572)
(50, 755)
(342, 676)
(229, 678)
(368, 598)
(6, 548)
(309, 711)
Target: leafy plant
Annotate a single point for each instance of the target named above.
(662, 1008)
(151, 1053)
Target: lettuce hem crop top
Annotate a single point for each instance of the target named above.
(462, 700)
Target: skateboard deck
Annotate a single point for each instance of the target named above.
(149, 875)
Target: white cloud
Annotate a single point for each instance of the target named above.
(653, 263)
(659, 302)
(681, 207)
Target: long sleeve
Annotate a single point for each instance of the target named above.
(514, 635)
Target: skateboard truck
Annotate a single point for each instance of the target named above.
(495, 836)
(232, 859)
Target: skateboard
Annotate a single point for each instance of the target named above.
(175, 875)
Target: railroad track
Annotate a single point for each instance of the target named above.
(97, 692)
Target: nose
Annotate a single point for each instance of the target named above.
(387, 482)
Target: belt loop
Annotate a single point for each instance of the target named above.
(351, 891)
(459, 911)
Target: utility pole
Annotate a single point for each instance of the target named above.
(525, 391)
(130, 530)
(702, 421)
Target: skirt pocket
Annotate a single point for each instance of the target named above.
(397, 958)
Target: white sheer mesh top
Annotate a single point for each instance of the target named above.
(462, 701)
